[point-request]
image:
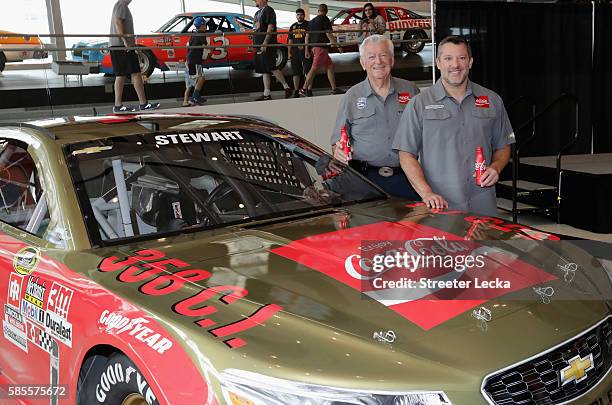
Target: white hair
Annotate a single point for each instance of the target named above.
(373, 39)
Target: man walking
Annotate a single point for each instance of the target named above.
(265, 59)
(297, 54)
(194, 71)
(444, 125)
(125, 62)
(320, 53)
(371, 110)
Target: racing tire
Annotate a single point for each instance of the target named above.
(113, 380)
(281, 58)
(414, 47)
(147, 62)
(2, 61)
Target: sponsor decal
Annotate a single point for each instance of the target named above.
(59, 328)
(343, 261)
(15, 336)
(14, 318)
(434, 106)
(26, 260)
(119, 374)
(41, 338)
(33, 312)
(176, 209)
(159, 275)
(384, 337)
(403, 98)
(14, 290)
(197, 137)
(482, 102)
(35, 292)
(59, 300)
(361, 103)
(412, 23)
(118, 324)
(520, 231)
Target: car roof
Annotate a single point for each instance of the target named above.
(70, 130)
(211, 13)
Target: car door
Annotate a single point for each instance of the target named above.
(243, 25)
(34, 326)
(217, 26)
(392, 24)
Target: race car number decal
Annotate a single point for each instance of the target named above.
(170, 275)
(216, 53)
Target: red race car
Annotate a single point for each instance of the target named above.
(402, 24)
(230, 29)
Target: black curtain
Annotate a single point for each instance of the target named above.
(602, 79)
(526, 49)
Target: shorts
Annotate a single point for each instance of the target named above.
(320, 58)
(192, 72)
(265, 62)
(125, 63)
(300, 65)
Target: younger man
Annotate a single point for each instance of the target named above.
(194, 76)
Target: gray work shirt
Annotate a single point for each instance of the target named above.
(122, 12)
(373, 121)
(445, 134)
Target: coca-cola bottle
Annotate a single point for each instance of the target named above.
(345, 143)
(481, 165)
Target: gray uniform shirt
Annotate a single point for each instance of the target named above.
(373, 121)
(445, 134)
(121, 11)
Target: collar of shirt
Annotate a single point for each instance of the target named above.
(440, 92)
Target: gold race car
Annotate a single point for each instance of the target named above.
(17, 49)
(209, 259)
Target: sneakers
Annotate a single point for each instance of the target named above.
(288, 92)
(194, 102)
(296, 94)
(338, 90)
(263, 98)
(305, 93)
(123, 109)
(149, 106)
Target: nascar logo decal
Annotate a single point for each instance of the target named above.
(403, 98)
(342, 261)
(482, 102)
(26, 260)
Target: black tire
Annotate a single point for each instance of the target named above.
(414, 47)
(147, 62)
(2, 61)
(281, 57)
(113, 380)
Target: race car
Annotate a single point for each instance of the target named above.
(402, 24)
(17, 49)
(230, 29)
(209, 259)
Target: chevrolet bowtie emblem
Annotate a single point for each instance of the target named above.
(577, 369)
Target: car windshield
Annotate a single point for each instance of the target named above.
(176, 24)
(148, 185)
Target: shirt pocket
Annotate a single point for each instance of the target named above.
(484, 113)
(363, 122)
(436, 114)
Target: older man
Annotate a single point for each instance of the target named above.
(444, 125)
(371, 110)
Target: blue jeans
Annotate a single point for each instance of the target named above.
(396, 185)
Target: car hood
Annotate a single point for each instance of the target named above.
(298, 269)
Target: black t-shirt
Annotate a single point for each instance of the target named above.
(264, 17)
(319, 23)
(297, 32)
(194, 55)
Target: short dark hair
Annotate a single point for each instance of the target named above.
(456, 40)
(300, 10)
(323, 7)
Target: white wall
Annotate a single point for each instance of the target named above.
(312, 118)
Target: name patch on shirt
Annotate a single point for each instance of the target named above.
(434, 106)
(403, 98)
(361, 103)
(482, 102)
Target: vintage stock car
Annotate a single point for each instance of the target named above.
(229, 29)
(402, 24)
(200, 259)
(16, 48)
